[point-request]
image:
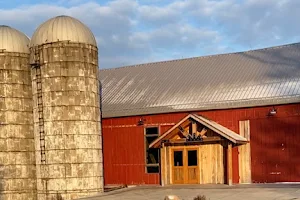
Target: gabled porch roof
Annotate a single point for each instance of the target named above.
(212, 125)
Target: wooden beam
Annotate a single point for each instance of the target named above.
(194, 128)
(174, 140)
(202, 133)
(177, 139)
(212, 139)
(183, 131)
(229, 163)
(187, 130)
(205, 140)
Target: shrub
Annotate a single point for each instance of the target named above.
(200, 197)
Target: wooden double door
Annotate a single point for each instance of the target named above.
(185, 166)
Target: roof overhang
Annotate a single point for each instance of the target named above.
(212, 125)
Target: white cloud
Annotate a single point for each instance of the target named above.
(154, 15)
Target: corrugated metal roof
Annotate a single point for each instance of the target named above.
(12, 40)
(63, 28)
(253, 78)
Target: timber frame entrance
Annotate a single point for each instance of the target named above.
(197, 151)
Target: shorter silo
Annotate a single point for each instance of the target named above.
(17, 155)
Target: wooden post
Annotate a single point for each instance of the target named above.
(229, 163)
(169, 164)
(162, 164)
(194, 127)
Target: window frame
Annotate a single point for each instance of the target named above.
(145, 150)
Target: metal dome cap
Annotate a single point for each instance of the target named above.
(12, 40)
(62, 28)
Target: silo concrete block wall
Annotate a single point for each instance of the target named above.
(17, 154)
(71, 120)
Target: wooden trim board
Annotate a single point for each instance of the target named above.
(245, 154)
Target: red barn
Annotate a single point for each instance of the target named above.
(223, 119)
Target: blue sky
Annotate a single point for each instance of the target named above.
(139, 31)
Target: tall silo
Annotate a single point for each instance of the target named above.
(17, 154)
(64, 60)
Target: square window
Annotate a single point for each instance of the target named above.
(152, 169)
(151, 154)
(152, 131)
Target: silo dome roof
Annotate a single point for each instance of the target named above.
(62, 28)
(12, 40)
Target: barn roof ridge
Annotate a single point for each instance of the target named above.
(201, 57)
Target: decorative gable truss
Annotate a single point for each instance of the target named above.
(193, 136)
(196, 128)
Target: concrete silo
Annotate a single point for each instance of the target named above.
(64, 60)
(17, 155)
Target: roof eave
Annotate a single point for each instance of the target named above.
(219, 106)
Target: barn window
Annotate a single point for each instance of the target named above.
(152, 155)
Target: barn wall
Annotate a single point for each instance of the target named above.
(275, 147)
(124, 154)
(123, 140)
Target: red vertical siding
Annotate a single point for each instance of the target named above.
(275, 143)
(124, 156)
